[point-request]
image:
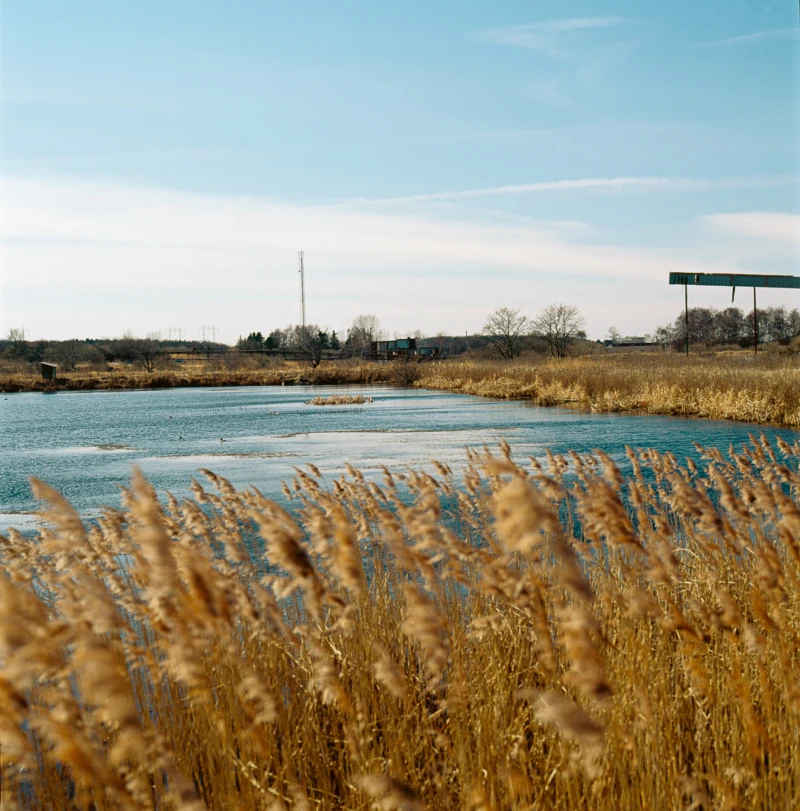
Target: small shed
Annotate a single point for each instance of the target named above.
(49, 371)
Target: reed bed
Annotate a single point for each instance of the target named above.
(339, 399)
(734, 387)
(286, 375)
(558, 636)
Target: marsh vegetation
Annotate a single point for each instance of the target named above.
(729, 386)
(558, 636)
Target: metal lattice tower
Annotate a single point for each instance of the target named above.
(302, 290)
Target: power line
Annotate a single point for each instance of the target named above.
(213, 331)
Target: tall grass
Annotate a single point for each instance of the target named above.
(729, 387)
(203, 375)
(734, 386)
(567, 636)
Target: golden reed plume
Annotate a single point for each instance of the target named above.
(583, 632)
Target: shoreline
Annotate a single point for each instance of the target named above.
(707, 388)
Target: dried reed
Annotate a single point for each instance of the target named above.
(580, 635)
(339, 399)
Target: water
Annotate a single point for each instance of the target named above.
(84, 443)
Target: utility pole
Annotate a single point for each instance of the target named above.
(686, 303)
(755, 323)
(213, 331)
(302, 291)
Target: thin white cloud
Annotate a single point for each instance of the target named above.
(546, 35)
(773, 35)
(771, 225)
(103, 256)
(481, 136)
(656, 184)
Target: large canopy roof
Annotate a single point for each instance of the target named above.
(735, 279)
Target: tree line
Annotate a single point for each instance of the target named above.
(731, 327)
(312, 341)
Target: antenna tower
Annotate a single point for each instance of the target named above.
(302, 290)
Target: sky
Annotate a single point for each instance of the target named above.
(161, 164)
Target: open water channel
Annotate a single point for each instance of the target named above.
(84, 443)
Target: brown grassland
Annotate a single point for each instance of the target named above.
(529, 637)
(733, 386)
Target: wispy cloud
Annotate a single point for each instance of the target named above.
(118, 244)
(773, 35)
(547, 35)
(549, 92)
(771, 225)
(607, 185)
(482, 136)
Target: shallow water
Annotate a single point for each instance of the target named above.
(84, 443)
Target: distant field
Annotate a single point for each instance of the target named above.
(735, 386)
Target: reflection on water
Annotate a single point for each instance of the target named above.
(84, 443)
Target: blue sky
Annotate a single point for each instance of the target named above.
(162, 163)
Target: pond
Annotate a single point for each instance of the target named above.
(84, 443)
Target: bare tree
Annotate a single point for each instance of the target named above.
(310, 342)
(614, 335)
(505, 330)
(16, 337)
(67, 353)
(147, 352)
(363, 331)
(559, 325)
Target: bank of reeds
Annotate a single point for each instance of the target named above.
(735, 387)
(764, 390)
(339, 399)
(553, 637)
(289, 374)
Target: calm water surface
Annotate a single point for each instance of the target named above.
(84, 443)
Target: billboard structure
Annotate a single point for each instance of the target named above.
(733, 280)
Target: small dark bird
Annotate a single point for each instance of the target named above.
(221, 439)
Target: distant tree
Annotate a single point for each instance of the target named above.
(363, 331)
(558, 324)
(254, 341)
(309, 341)
(505, 330)
(794, 323)
(16, 339)
(614, 335)
(67, 353)
(702, 327)
(335, 343)
(729, 327)
(778, 325)
(147, 352)
(750, 328)
(275, 340)
(664, 335)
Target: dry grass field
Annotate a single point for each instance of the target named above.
(527, 637)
